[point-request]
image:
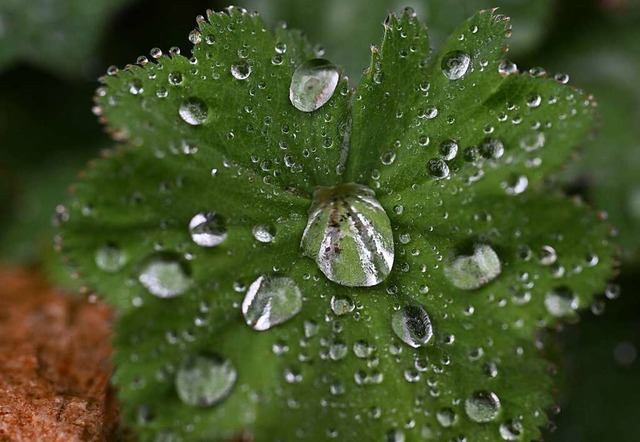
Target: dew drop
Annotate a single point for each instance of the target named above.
(482, 406)
(241, 70)
(507, 67)
(474, 271)
(342, 305)
(437, 168)
(264, 234)
(455, 64)
(515, 185)
(533, 141)
(271, 300)
(193, 111)
(511, 430)
(165, 275)
(561, 302)
(203, 381)
(349, 236)
(412, 325)
(207, 229)
(448, 150)
(446, 417)
(313, 84)
(110, 258)
(491, 148)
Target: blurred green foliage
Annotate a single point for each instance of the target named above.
(47, 132)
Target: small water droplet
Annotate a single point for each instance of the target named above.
(491, 148)
(412, 325)
(241, 70)
(482, 406)
(455, 64)
(446, 417)
(448, 150)
(533, 141)
(193, 111)
(264, 234)
(516, 185)
(561, 302)
(534, 100)
(203, 381)
(207, 229)
(511, 430)
(507, 67)
(110, 258)
(437, 168)
(313, 84)
(165, 275)
(271, 300)
(349, 236)
(342, 305)
(474, 271)
(547, 255)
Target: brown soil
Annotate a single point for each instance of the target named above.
(54, 363)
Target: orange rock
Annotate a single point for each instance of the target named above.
(54, 363)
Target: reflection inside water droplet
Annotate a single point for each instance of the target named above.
(203, 381)
(313, 84)
(349, 236)
(474, 271)
(271, 300)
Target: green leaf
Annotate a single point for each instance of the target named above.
(355, 25)
(226, 326)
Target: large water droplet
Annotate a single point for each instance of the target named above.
(241, 70)
(455, 64)
(271, 300)
(412, 324)
(349, 236)
(437, 168)
(313, 84)
(207, 229)
(482, 406)
(472, 272)
(110, 258)
(203, 381)
(165, 275)
(193, 111)
(561, 302)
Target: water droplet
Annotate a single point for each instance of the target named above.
(446, 417)
(534, 100)
(263, 233)
(207, 229)
(533, 141)
(561, 302)
(165, 275)
(448, 150)
(455, 64)
(203, 381)
(241, 70)
(271, 300)
(516, 185)
(412, 325)
(437, 168)
(472, 272)
(110, 258)
(547, 255)
(491, 148)
(175, 78)
(342, 305)
(511, 430)
(313, 84)
(349, 236)
(507, 67)
(482, 406)
(193, 111)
